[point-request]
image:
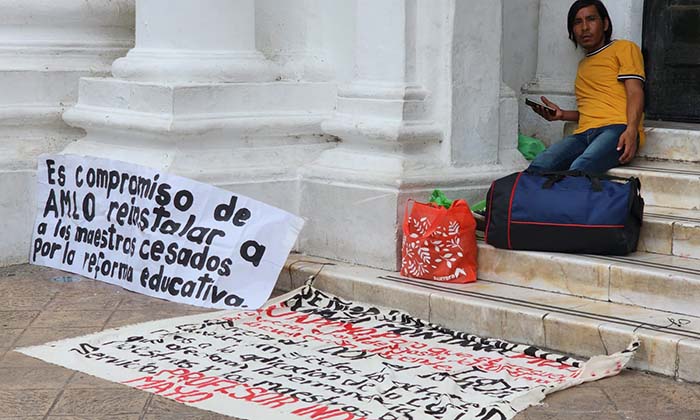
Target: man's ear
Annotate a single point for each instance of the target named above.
(606, 24)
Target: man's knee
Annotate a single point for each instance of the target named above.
(542, 163)
(594, 164)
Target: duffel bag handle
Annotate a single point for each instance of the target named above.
(554, 177)
(579, 173)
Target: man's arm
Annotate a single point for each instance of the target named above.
(634, 90)
(559, 115)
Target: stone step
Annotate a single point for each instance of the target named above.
(654, 281)
(671, 232)
(666, 184)
(672, 141)
(670, 344)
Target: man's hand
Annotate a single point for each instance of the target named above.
(558, 114)
(628, 143)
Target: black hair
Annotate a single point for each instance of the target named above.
(602, 12)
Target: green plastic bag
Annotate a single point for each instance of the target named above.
(438, 197)
(479, 207)
(530, 147)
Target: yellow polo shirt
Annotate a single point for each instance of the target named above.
(600, 87)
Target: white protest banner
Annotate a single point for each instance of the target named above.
(158, 234)
(310, 355)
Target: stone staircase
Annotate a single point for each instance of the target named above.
(578, 304)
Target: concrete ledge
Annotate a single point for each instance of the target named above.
(655, 281)
(672, 141)
(666, 184)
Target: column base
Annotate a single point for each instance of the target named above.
(251, 137)
(306, 66)
(186, 66)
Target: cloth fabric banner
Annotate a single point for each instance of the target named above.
(311, 355)
(158, 234)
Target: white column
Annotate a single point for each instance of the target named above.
(390, 146)
(195, 97)
(192, 41)
(290, 33)
(45, 47)
(384, 107)
(476, 82)
(64, 35)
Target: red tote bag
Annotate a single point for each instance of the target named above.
(439, 244)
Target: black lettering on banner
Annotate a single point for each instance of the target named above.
(256, 256)
(84, 348)
(51, 205)
(188, 200)
(44, 248)
(492, 414)
(149, 368)
(202, 289)
(61, 231)
(68, 255)
(50, 170)
(78, 179)
(224, 212)
(163, 197)
(68, 203)
(242, 355)
(90, 178)
(89, 207)
(98, 211)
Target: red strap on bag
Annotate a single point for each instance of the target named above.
(439, 244)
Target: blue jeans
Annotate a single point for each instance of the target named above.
(593, 151)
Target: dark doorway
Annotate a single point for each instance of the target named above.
(671, 45)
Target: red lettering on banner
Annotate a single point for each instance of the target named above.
(544, 362)
(271, 311)
(320, 412)
(299, 318)
(189, 387)
(530, 374)
(183, 395)
(393, 346)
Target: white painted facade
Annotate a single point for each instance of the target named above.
(337, 111)
(46, 46)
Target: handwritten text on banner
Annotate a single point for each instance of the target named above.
(158, 234)
(311, 355)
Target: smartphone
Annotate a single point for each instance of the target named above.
(534, 104)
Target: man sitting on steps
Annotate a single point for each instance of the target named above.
(609, 94)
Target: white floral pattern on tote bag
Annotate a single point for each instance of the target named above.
(445, 242)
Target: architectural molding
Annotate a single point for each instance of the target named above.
(205, 104)
(45, 47)
(390, 140)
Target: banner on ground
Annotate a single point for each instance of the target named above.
(158, 234)
(310, 355)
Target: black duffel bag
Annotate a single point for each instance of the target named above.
(567, 211)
